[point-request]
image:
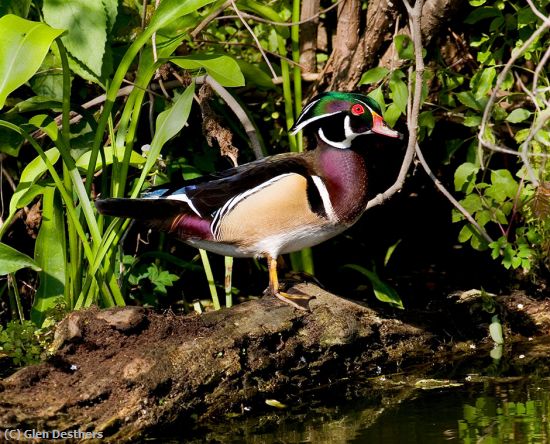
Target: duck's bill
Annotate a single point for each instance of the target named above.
(380, 127)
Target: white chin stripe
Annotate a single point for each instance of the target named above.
(344, 144)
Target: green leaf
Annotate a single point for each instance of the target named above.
(373, 75)
(468, 99)
(49, 253)
(224, 69)
(399, 93)
(472, 121)
(12, 260)
(83, 162)
(32, 172)
(482, 82)
(48, 81)
(426, 120)
(518, 115)
(378, 96)
(255, 75)
(382, 291)
(390, 251)
(482, 13)
(17, 7)
(404, 46)
(504, 182)
(465, 233)
(472, 203)
(465, 176)
(86, 24)
(23, 46)
(391, 114)
(171, 121)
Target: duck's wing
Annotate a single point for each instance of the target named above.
(199, 202)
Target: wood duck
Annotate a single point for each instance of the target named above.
(277, 204)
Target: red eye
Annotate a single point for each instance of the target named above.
(357, 109)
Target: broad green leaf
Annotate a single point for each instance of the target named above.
(168, 124)
(86, 24)
(391, 114)
(472, 203)
(46, 124)
(373, 75)
(378, 96)
(468, 99)
(404, 46)
(48, 81)
(399, 93)
(255, 76)
(49, 253)
(171, 121)
(382, 291)
(518, 115)
(17, 7)
(32, 172)
(83, 162)
(426, 120)
(170, 10)
(12, 260)
(504, 182)
(37, 103)
(23, 46)
(472, 121)
(465, 233)
(482, 13)
(483, 82)
(464, 176)
(224, 69)
(111, 9)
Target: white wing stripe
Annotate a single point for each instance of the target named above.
(325, 197)
(184, 198)
(230, 204)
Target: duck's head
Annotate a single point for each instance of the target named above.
(339, 117)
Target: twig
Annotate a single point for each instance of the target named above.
(271, 22)
(412, 120)
(209, 18)
(449, 196)
(488, 108)
(260, 48)
(274, 54)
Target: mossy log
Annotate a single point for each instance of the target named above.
(124, 371)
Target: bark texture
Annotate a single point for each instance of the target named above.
(125, 371)
(122, 371)
(361, 43)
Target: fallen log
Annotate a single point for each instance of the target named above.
(124, 371)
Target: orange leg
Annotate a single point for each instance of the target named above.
(297, 301)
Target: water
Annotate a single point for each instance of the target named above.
(503, 410)
(486, 401)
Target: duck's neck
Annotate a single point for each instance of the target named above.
(345, 175)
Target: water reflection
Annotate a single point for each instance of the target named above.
(508, 401)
